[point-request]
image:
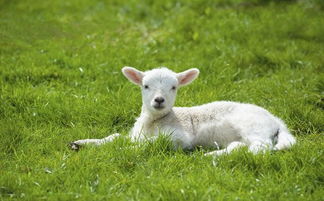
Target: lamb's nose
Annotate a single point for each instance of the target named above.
(159, 100)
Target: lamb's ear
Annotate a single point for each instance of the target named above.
(133, 75)
(187, 76)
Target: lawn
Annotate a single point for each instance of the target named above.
(60, 81)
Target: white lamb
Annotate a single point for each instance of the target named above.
(224, 124)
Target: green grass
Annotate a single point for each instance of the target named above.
(60, 81)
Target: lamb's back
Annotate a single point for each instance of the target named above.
(190, 118)
(205, 112)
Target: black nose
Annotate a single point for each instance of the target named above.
(159, 100)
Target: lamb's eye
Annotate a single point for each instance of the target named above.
(173, 88)
(146, 86)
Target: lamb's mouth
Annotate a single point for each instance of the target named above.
(158, 107)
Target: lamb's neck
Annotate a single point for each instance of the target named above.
(151, 117)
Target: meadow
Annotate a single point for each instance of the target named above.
(60, 81)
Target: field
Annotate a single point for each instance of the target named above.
(60, 81)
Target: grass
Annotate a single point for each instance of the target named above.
(60, 81)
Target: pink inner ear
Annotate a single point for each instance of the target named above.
(187, 77)
(134, 76)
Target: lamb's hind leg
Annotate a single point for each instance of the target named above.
(97, 142)
(232, 146)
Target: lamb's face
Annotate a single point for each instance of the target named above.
(159, 86)
(159, 90)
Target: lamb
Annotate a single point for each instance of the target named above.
(222, 124)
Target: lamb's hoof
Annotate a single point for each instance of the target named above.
(74, 146)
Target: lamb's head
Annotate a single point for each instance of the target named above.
(159, 86)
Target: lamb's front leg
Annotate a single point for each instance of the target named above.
(97, 142)
(180, 138)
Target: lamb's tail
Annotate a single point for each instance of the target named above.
(284, 138)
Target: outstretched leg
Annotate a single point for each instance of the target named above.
(232, 146)
(77, 144)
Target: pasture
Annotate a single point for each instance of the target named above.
(60, 81)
